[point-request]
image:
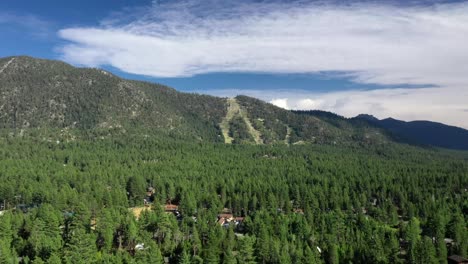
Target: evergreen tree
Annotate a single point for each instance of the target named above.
(425, 252)
(54, 259)
(6, 229)
(184, 258)
(81, 248)
(459, 232)
(7, 256)
(246, 252)
(333, 256)
(154, 254)
(413, 236)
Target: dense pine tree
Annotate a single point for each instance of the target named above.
(82, 202)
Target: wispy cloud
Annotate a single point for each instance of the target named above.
(27, 23)
(383, 44)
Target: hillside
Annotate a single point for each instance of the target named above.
(424, 132)
(62, 102)
(52, 95)
(39, 93)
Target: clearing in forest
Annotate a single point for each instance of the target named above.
(137, 211)
(234, 110)
(288, 135)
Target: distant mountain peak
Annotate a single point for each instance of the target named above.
(367, 117)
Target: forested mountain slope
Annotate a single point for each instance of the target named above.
(424, 132)
(36, 93)
(64, 102)
(420, 133)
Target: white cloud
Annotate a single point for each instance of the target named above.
(371, 43)
(308, 103)
(281, 102)
(445, 105)
(379, 44)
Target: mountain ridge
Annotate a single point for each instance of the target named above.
(425, 132)
(48, 94)
(38, 93)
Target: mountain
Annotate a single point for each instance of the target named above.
(45, 96)
(136, 172)
(59, 101)
(424, 132)
(36, 93)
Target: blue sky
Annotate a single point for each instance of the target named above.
(404, 59)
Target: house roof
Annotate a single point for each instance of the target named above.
(227, 216)
(458, 259)
(299, 211)
(171, 207)
(226, 211)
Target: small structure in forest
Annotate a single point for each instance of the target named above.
(449, 241)
(299, 211)
(93, 223)
(173, 209)
(226, 211)
(140, 246)
(150, 191)
(225, 219)
(238, 222)
(455, 259)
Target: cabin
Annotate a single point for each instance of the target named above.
(299, 211)
(226, 211)
(238, 222)
(226, 219)
(222, 221)
(239, 219)
(150, 191)
(171, 208)
(149, 196)
(93, 224)
(455, 259)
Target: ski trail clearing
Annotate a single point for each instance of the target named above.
(6, 65)
(233, 110)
